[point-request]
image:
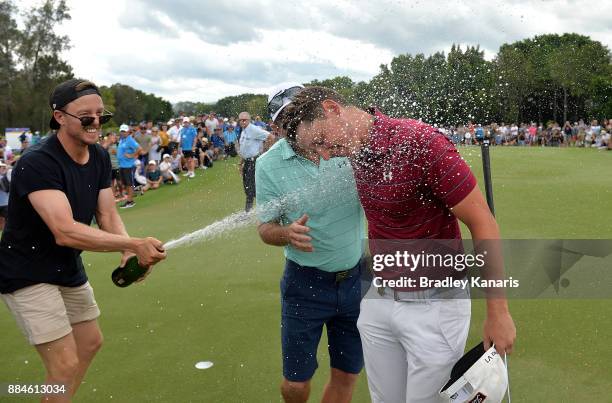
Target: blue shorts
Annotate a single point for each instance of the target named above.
(311, 298)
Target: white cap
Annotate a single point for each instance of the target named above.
(124, 128)
(186, 119)
(170, 122)
(2, 164)
(486, 378)
(225, 119)
(286, 101)
(152, 162)
(166, 156)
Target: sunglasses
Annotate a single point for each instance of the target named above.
(278, 100)
(88, 120)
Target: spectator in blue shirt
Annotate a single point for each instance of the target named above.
(230, 136)
(259, 122)
(252, 138)
(218, 143)
(188, 138)
(127, 152)
(479, 133)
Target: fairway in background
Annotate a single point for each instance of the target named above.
(219, 300)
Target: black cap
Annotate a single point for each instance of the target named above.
(67, 92)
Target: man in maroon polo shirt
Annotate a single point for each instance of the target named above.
(413, 185)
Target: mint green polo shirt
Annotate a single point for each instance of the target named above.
(289, 186)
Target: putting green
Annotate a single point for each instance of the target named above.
(218, 301)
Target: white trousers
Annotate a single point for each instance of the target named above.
(410, 347)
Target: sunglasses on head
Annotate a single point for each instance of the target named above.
(88, 120)
(278, 99)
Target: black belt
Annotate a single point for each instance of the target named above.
(338, 276)
(343, 275)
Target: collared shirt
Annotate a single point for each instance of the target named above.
(408, 178)
(230, 136)
(289, 186)
(188, 136)
(251, 141)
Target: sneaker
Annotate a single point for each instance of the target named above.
(192, 175)
(202, 167)
(186, 174)
(128, 204)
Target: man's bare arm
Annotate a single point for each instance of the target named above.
(473, 211)
(107, 217)
(54, 208)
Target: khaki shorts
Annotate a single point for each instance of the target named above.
(45, 312)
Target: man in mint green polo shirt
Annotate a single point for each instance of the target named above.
(310, 206)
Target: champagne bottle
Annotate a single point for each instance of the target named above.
(126, 275)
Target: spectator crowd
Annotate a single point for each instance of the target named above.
(148, 155)
(578, 134)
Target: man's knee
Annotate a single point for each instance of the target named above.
(343, 379)
(64, 366)
(295, 391)
(89, 343)
(93, 344)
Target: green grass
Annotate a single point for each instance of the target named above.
(219, 300)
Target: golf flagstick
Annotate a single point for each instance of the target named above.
(486, 170)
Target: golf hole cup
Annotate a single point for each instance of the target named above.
(132, 271)
(204, 365)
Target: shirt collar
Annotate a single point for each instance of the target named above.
(379, 132)
(286, 149)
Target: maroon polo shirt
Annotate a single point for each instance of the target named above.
(408, 177)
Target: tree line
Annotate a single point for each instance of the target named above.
(255, 104)
(546, 78)
(31, 66)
